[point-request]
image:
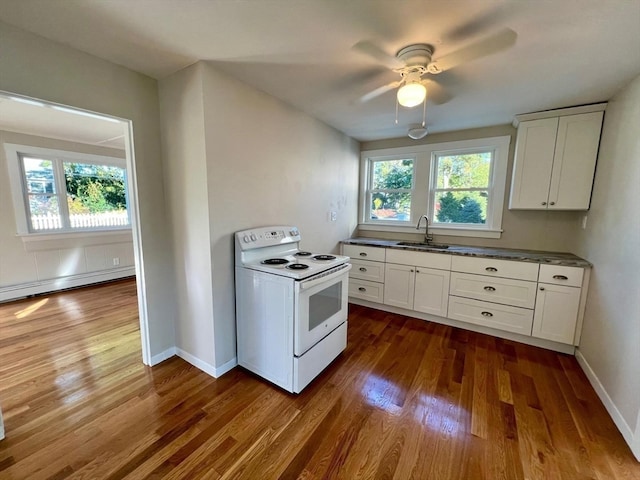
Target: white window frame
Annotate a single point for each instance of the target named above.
(19, 195)
(369, 185)
(425, 177)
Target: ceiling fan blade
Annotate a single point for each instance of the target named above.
(493, 44)
(371, 50)
(379, 91)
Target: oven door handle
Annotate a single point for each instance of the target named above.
(324, 278)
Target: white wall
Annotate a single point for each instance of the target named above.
(610, 343)
(33, 66)
(266, 163)
(38, 266)
(185, 167)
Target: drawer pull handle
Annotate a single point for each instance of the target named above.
(491, 269)
(560, 277)
(362, 254)
(362, 269)
(489, 289)
(552, 203)
(542, 289)
(362, 289)
(487, 314)
(544, 203)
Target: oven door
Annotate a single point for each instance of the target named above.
(321, 306)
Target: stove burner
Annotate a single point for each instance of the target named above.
(275, 261)
(297, 266)
(324, 257)
(303, 254)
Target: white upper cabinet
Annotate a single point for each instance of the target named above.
(555, 161)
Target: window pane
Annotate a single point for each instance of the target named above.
(39, 175)
(96, 195)
(461, 207)
(470, 170)
(391, 206)
(392, 174)
(45, 212)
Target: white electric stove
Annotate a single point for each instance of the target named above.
(291, 306)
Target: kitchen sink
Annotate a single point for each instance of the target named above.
(438, 246)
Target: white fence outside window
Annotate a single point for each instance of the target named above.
(81, 220)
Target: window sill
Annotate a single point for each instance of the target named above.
(34, 242)
(436, 230)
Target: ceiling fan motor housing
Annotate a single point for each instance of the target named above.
(418, 54)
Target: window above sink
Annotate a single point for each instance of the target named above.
(459, 185)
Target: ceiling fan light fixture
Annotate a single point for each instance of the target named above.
(412, 94)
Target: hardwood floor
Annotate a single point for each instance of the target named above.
(408, 399)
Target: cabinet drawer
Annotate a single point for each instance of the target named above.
(560, 275)
(495, 268)
(367, 270)
(419, 259)
(364, 253)
(372, 291)
(518, 293)
(501, 317)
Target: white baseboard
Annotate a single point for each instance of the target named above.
(206, 367)
(616, 416)
(221, 370)
(14, 292)
(161, 357)
(215, 372)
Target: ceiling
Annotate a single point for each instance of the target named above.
(567, 53)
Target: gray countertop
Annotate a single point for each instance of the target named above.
(534, 256)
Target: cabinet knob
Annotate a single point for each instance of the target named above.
(552, 203)
(362, 269)
(560, 277)
(411, 270)
(491, 269)
(542, 289)
(362, 289)
(362, 254)
(487, 314)
(544, 203)
(489, 289)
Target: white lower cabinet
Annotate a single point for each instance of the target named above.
(399, 285)
(493, 315)
(556, 312)
(542, 301)
(417, 288)
(431, 291)
(371, 291)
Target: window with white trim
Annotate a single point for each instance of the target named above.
(390, 189)
(59, 192)
(459, 185)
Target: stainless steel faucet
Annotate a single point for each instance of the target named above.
(427, 238)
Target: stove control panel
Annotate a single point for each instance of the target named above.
(267, 236)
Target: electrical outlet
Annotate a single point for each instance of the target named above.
(116, 261)
(334, 216)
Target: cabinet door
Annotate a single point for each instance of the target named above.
(556, 313)
(574, 163)
(431, 294)
(399, 282)
(535, 146)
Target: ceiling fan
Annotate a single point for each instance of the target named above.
(415, 61)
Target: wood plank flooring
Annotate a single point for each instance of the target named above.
(408, 399)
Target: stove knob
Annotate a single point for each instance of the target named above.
(245, 239)
(253, 237)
